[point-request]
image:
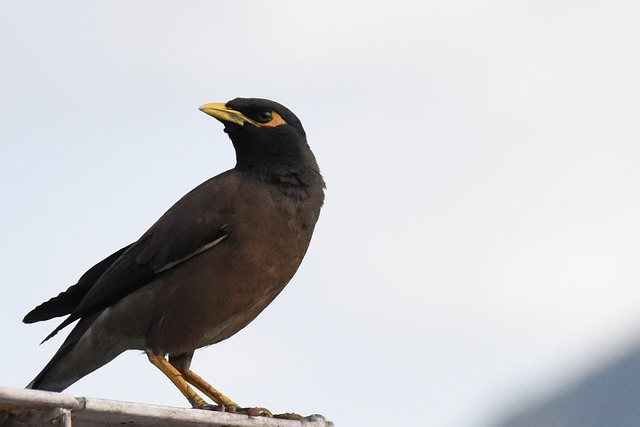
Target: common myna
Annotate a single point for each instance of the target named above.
(206, 268)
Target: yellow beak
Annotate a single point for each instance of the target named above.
(219, 111)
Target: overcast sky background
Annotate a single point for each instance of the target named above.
(480, 239)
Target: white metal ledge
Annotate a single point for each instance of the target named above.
(20, 408)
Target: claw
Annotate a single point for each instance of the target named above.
(289, 416)
(205, 406)
(254, 412)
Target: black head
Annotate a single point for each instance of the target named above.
(267, 114)
(267, 136)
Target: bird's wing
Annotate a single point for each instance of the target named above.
(196, 223)
(65, 302)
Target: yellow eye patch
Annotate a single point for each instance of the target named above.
(275, 121)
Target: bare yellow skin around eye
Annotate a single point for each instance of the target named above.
(275, 121)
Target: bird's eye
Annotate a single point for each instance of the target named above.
(264, 116)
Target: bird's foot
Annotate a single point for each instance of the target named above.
(209, 407)
(201, 404)
(264, 412)
(289, 416)
(254, 412)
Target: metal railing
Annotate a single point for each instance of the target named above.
(21, 407)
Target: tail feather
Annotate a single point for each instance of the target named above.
(59, 373)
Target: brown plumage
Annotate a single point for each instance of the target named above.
(207, 267)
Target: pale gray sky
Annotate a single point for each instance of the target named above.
(481, 234)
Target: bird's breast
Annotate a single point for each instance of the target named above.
(226, 287)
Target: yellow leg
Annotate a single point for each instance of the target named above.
(225, 404)
(183, 376)
(198, 382)
(177, 379)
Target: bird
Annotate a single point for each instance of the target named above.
(205, 269)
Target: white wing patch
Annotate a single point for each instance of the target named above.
(191, 255)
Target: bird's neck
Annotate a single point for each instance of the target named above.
(299, 182)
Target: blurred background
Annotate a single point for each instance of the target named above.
(476, 262)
